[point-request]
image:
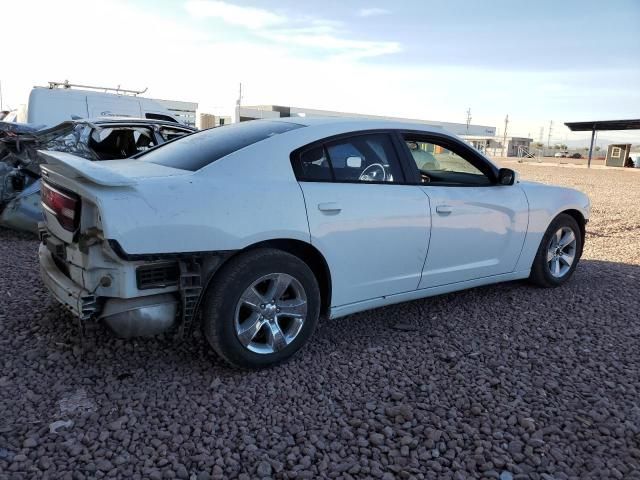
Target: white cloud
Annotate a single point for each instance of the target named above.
(340, 47)
(294, 32)
(194, 62)
(373, 12)
(248, 17)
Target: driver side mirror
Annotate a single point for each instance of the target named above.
(506, 176)
(354, 162)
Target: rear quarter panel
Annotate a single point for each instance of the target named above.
(235, 202)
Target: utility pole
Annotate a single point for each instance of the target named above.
(238, 102)
(468, 119)
(549, 134)
(504, 135)
(1, 96)
(541, 134)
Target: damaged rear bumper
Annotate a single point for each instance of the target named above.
(79, 301)
(127, 317)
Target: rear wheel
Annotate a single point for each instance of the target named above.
(261, 308)
(558, 253)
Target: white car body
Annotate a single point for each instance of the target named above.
(381, 243)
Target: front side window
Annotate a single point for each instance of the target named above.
(438, 164)
(361, 158)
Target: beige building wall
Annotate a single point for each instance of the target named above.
(209, 120)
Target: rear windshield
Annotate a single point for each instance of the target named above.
(198, 150)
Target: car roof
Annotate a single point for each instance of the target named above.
(356, 123)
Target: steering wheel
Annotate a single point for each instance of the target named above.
(374, 173)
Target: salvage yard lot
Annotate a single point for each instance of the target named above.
(505, 379)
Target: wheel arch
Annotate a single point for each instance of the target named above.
(305, 252)
(579, 217)
(580, 220)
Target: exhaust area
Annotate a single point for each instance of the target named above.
(140, 317)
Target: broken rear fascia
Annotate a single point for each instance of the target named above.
(196, 272)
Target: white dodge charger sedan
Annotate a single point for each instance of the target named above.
(256, 229)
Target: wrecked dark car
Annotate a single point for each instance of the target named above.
(95, 140)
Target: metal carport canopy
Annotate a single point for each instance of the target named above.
(593, 127)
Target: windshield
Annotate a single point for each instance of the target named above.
(198, 150)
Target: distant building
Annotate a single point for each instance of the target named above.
(209, 120)
(493, 146)
(255, 112)
(184, 111)
(617, 154)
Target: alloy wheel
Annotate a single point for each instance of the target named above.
(561, 252)
(270, 313)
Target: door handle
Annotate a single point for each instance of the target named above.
(329, 207)
(443, 209)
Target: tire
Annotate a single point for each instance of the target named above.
(272, 329)
(544, 272)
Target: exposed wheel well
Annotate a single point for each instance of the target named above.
(579, 218)
(309, 255)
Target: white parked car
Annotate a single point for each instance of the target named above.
(255, 229)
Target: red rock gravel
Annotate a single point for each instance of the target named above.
(507, 381)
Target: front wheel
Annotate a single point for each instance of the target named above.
(261, 308)
(558, 253)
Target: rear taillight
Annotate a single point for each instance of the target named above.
(64, 205)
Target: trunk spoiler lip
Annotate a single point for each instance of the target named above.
(93, 171)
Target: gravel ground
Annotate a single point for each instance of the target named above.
(506, 381)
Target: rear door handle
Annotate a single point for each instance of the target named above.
(443, 209)
(329, 207)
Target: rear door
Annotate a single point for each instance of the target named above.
(371, 226)
(478, 226)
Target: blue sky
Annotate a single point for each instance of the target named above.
(536, 61)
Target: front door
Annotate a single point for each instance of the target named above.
(371, 227)
(478, 226)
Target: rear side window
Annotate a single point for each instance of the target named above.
(361, 158)
(198, 150)
(313, 165)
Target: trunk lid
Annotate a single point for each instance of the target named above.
(94, 182)
(107, 173)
